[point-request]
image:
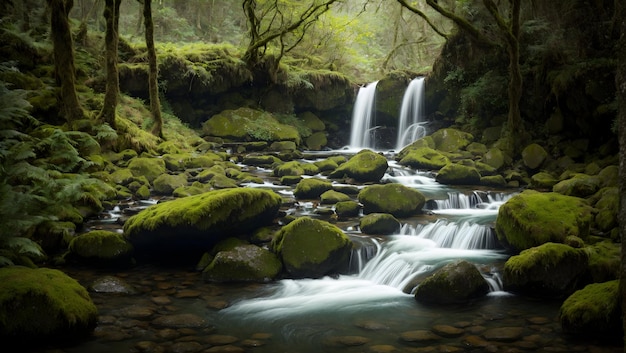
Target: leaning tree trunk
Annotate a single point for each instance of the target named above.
(111, 39)
(620, 83)
(64, 68)
(155, 105)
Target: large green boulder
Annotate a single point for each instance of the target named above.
(101, 247)
(345, 209)
(312, 248)
(458, 174)
(395, 199)
(331, 197)
(543, 181)
(532, 218)
(494, 157)
(593, 311)
(533, 156)
(550, 270)
(457, 282)
(246, 124)
(365, 166)
(41, 305)
(451, 140)
(580, 185)
(424, 158)
(608, 208)
(311, 188)
(604, 261)
(194, 224)
(150, 168)
(165, 184)
(243, 263)
(379, 223)
(292, 168)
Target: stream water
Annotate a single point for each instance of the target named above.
(369, 310)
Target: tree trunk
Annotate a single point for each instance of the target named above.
(620, 83)
(111, 39)
(515, 129)
(64, 68)
(155, 105)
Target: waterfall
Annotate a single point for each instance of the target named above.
(363, 117)
(410, 124)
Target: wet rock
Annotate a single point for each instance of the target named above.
(504, 334)
(424, 158)
(475, 341)
(248, 263)
(252, 343)
(101, 248)
(593, 310)
(458, 174)
(533, 156)
(457, 282)
(185, 347)
(165, 184)
(447, 331)
(225, 349)
(379, 223)
(533, 218)
(418, 336)
(312, 248)
(347, 209)
(395, 199)
(451, 140)
(331, 197)
(111, 284)
(579, 185)
(220, 340)
(149, 347)
(188, 293)
(180, 321)
(549, 270)
(382, 348)
(150, 168)
(371, 325)
(136, 312)
(365, 166)
(348, 341)
(311, 188)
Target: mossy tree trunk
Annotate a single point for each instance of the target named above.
(155, 105)
(64, 67)
(111, 39)
(620, 83)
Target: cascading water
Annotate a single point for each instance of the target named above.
(363, 118)
(410, 124)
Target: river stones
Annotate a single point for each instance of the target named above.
(331, 197)
(548, 270)
(593, 310)
(193, 224)
(532, 218)
(178, 321)
(379, 223)
(365, 166)
(311, 188)
(41, 305)
(579, 185)
(346, 209)
(456, 282)
(150, 168)
(533, 156)
(451, 140)
(165, 184)
(424, 158)
(312, 248)
(458, 174)
(395, 199)
(111, 284)
(101, 248)
(243, 263)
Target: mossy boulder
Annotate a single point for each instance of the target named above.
(604, 261)
(457, 282)
(311, 188)
(608, 207)
(347, 209)
(331, 197)
(493, 180)
(42, 305)
(593, 311)
(533, 156)
(195, 223)
(379, 223)
(458, 174)
(102, 248)
(532, 218)
(243, 263)
(424, 158)
(312, 121)
(316, 141)
(246, 124)
(220, 181)
(543, 181)
(326, 165)
(609, 176)
(451, 140)
(365, 166)
(293, 168)
(395, 199)
(165, 184)
(122, 177)
(261, 160)
(312, 248)
(283, 146)
(580, 185)
(550, 270)
(494, 157)
(426, 141)
(150, 168)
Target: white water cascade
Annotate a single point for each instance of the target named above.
(363, 117)
(410, 121)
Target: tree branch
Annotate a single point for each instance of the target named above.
(462, 23)
(423, 15)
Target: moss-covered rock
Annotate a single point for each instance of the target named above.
(494, 157)
(312, 248)
(331, 197)
(458, 174)
(608, 208)
(261, 160)
(293, 168)
(426, 141)
(604, 261)
(451, 140)
(243, 263)
(122, 177)
(493, 180)
(593, 311)
(165, 184)
(379, 223)
(457, 282)
(101, 248)
(246, 124)
(345, 209)
(580, 185)
(609, 176)
(424, 158)
(365, 166)
(549, 270)
(395, 199)
(543, 181)
(326, 165)
(311, 188)
(316, 141)
(195, 223)
(150, 168)
(41, 305)
(220, 181)
(283, 146)
(532, 218)
(312, 121)
(533, 156)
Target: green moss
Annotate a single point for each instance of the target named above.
(101, 247)
(456, 282)
(593, 310)
(52, 305)
(580, 185)
(347, 208)
(451, 140)
(311, 188)
(534, 155)
(245, 124)
(543, 180)
(364, 166)
(332, 197)
(533, 218)
(150, 168)
(326, 165)
(165, 184)
(395, 199)
(316, 141)
(261, 160)
(604, 261)
(379, 223)
(292, 168)
(424, 158)
(458, 174)
(248, 263)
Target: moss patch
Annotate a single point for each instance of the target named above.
(245, 124)
(396, 199)
(593, 310)
(311, 188)
(424, 158)
(364, 166)
(101, 247)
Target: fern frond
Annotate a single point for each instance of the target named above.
(23, 246)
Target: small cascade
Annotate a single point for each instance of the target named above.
(462, 235)
(475, 200)
(410, 123)
(363, 118)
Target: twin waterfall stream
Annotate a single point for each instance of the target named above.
(369, 309)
